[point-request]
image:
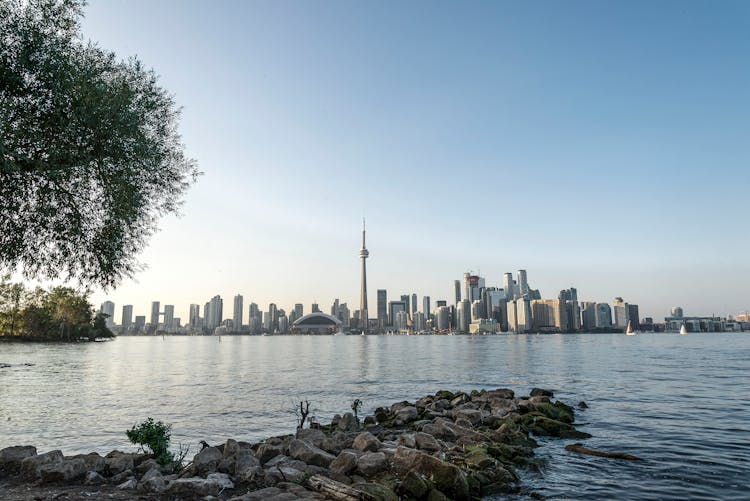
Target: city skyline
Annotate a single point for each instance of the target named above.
(498, 137)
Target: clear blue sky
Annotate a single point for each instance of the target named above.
(602, 145)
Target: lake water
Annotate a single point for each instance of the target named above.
(682, 403)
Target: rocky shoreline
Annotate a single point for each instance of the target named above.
(460, 446)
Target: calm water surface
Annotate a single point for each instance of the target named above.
(682, 403)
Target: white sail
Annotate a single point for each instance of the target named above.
(683, 329)
(630, 331)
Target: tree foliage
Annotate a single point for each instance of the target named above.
(154, 436)
(90, 156)
(57, 314)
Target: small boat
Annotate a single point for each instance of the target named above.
(683, 329)
(630, 331)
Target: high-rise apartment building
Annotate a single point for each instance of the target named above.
(393, 308)
(168, 317)
(426, 307)
(140, 324)
(633, 315)
(406, 299)
(603, 315)
(382, 308)
(107, 309)
(463, 311)
(413, 304)
(299, 310)
(127, 318)
(457, 290)
(214, 313)
(442, 318)
(509, 286)
(620, 313)
(195, 316)
(588, 315)
(155, 308)
(237, 313)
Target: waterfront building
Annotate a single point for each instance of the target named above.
(442, 317)
(677, 312)
(237, 313)
(457, 290)
(316, 323)
(588, 315)
(382, 308)
(314, 308)
(484, 326)
(401, 321)
(463, 314)
(620, 311)
(406, 299)
(634, 315)
(214, 313)
(127, 318)
(283, 324)
(523, 283)
(569, 299)
(413, 304)
(426, 307)
(519, 315)
(472, 285)
(194, 316)
(344, 316)
(393, 308)
(603, 316)
(509, 286)
(140, 324)
(155, 308)
(477, 310)
(418, 321)
(168, 317)
(363, 254)
(255, 324)
(107, 308)
(548, 315)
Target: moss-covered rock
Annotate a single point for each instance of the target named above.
(540, 392)
(557, 411)
(414, 485)
(378, 491)
(539, 424)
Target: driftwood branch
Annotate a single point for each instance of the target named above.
(336, 490)
(614, 455)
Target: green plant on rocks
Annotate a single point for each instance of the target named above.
(356, 406)
(153, 436)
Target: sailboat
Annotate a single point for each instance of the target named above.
(683, 329)
(630, 331)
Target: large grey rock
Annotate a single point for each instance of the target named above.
(448, 478)
(283, 473)
(314, 436)
(128, 485)
(118, 463)
(196, 486)
(11, 457)
(249, 475)
(473, 416)
(30, 466)
(62, 471)
(407, 440)
(309, 453)
(366, 442)
(93, 461)
(207, 461)
(268, 451)
(121, 477)
(426, 442)
(406, 415)
(345, 463)
(348, 422)
(153, 481)
(94, 478)
(371, 463)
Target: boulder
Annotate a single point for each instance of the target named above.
(500, 393)
(283, 473)
(348, 422)
(378, 492)
(153, 481)
(459, 399)
(121, 477)
(345, 463)
(448, 478)
(426, 442)
(408, 440)
(207, 461)
(192, 487)
(501, 407)
(93, 461)
(128, 485)
(62, 471)
(414, 485)
(406, 415)
(249, 475)
(93, 478)
(539, 392)
(314, 437)
(116, 464)
(371, 463)
(366, 442)
(11, 457)
(309, 453)
(473, 416)
(30, 465)
(267, 451)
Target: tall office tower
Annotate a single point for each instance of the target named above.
(457, 290)
(315, 308)
(237, 316)
(603, 315)
(549, 314)
(443, 317)
(471, 287)
(393, 308)
(633, 315)
(168, 317)
(523, 283)
(108, 308)
(206, 313)
(677, 312)
(195, 316)
(283, 324)
(509, 286)
(477, 310)
(464, 315)
(214, 313)
(588, 315)
(382, 308)
(155, 307)
(418, 321)
(406, 299)
(127, 318)
(492, 297)
(413, 304)
(335, 308)
(569, 298)
(273, 315)
(299, 310)
(363, 254)
(140, 323)
(344, 315)
(620, 313)
(426, 307)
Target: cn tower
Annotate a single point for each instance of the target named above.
(364, 254)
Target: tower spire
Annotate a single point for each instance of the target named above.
(363, 254)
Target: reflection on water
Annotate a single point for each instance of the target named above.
(680, 402)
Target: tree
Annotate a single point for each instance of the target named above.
(90, 156)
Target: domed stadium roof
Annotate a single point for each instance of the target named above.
(317, 318)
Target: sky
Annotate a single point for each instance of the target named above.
(600, 145)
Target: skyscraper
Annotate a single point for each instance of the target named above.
(237, 317)
(299, 310)
(457, 287)
(127, 318)
(195, 314)
(523, 283)
(413, 304)
(168, 317)
(363, 254)
(426, 307)
(382, 308)
(108, 308)
(155, 307)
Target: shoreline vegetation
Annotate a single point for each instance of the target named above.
(57, 314)
(450, 445)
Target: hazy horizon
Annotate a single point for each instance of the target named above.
(596, 145)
